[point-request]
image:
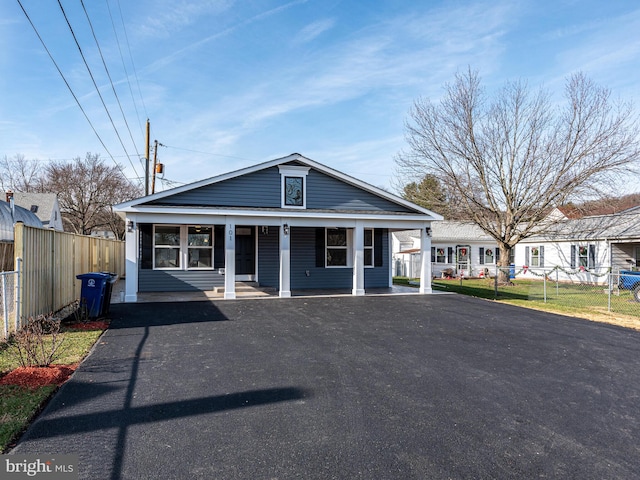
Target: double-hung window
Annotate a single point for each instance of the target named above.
(583, 256)
(368, 247)
(200, 247)
(182, 247)
(337, 247)
(166, 246)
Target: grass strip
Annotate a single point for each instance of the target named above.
(19, 405)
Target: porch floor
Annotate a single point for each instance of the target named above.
(117, 295)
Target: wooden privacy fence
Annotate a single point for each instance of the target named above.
(50, 262)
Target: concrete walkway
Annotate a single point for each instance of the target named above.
(377, 387)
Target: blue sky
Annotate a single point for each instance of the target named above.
(227, 84)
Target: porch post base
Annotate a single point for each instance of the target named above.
(357, 292)
(131, 298)
(229, 295)
(284, 293)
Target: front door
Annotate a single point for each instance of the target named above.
(245, 253)
(463, 260)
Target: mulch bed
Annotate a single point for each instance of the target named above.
(95, 325)
(35, 377)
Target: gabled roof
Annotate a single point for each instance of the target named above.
(41, 204)
(618, 226)
(448, 231)
(295, 158)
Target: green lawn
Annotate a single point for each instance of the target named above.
(18, 405)
(567, 298)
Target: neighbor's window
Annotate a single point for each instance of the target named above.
(489, 256)
(368, 247)
(337, 247)
(535, 257)
(441, 255)
(200, 247)
(166, 246)
(583, 256)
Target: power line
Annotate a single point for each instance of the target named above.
(135, 73)
(96, 85)
(109, 75)
(124, 66)
(69, 87)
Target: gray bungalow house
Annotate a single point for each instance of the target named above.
(289, 223)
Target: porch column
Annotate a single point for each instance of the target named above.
(285, 260)
(358, 259)
(425, 259)
(131, 262)
(230, 260)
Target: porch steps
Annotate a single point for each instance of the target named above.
(248, 289)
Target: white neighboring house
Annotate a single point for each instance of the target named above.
(583, 249)
(43, 205)
(457, 249)
(578, 250)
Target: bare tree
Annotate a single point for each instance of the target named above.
(20, 175)
(512, 158)
(87, 189)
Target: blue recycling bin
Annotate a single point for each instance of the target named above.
(92, 295)
(512, 271)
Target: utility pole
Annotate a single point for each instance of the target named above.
(146, 162)
(155, 162)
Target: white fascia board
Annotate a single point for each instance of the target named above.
(203, 216)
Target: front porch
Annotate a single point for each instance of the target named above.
(245, 291)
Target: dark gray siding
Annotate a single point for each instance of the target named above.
(258, 189)
(262, 189)
(269, 258)
(303, 259)
(325, 192)
(178, 280)
(379, 276)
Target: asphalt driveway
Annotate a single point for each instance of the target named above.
(440, 386)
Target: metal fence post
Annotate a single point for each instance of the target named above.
(544, 286)
(495, 284)
(5, 307)
(610, 282)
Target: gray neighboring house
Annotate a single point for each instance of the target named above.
(290, 223)
(458, 248)
(44, 205)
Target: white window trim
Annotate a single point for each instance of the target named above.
(190, 247)
(537, 265)
(371, 247)
(172, 247)
(183, 248)
(348, 248)
(293, 171)
(492, 257)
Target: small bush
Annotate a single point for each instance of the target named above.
(37, 343)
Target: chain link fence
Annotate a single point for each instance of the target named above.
(8, 303)
(579, 288)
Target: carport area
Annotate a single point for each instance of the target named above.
(375, 387)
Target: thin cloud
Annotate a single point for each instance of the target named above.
(313, 30)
